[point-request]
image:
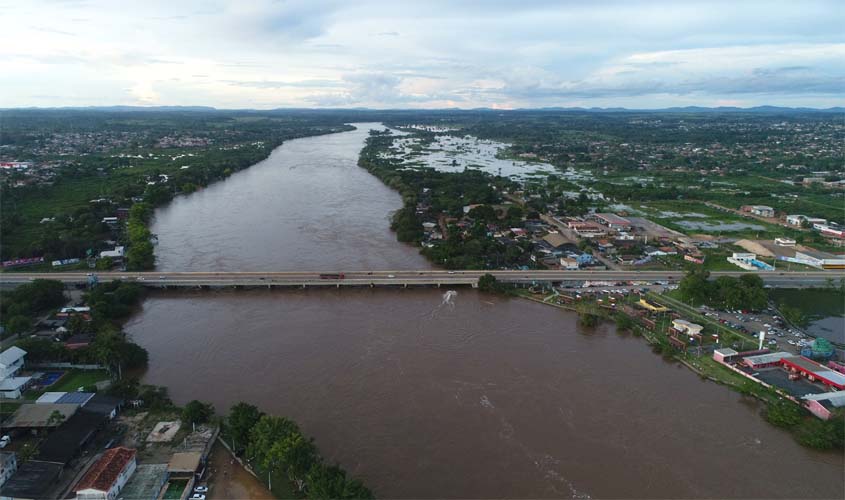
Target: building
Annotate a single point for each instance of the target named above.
(832, 232)
(820, 260)
(785, 242)
(185, 465)
(8, 466)
(687, 328)
(749, 262)
(117, 253)
(798, 220)
(107, 476)
(762, 210)
(725, 355)
(33, 480)
(814, 371)
(612, 221)
(824, 404)
(586, 229)
(767, 360)
(40, 416)
(11, 362)
(569, 263)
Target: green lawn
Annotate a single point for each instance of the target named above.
(175, 489)
(74, 379)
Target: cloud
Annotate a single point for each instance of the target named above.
(380, 53)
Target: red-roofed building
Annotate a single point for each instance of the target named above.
(107, 476)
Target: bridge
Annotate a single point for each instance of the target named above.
(399, 278)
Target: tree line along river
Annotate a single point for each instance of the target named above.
(422, 395)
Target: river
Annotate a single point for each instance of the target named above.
(423, 397)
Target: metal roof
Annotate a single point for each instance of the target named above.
(771, 357)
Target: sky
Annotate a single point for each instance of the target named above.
(267, 54)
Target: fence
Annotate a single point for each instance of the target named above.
(64, 366)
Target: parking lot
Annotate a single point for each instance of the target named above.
(778, 335)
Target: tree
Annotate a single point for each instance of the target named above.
(783, 414)
(242, 418)
(55, 419)
(18, 324)
(197, 412)
(624, 322)
(588, 319)
(297, 454)
(695, 288)
(330, 482)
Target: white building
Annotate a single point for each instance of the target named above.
(569, 263)
(785, 242)
(107, 476)
(11, 362)
(117, 253)
(762, 210)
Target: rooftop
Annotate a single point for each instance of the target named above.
(32, 480)
(184, 462)
(105, 471)
(38, 415)
(11, 355)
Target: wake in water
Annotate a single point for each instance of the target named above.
(448, 300)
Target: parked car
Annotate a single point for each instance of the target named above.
(4, 441)
(197, 496)
(201, 489)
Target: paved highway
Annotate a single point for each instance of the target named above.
(400, 278)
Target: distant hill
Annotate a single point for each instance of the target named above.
(684, 109)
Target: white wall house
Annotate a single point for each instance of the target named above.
(11, 362)
(107, 476)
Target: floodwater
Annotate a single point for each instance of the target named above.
(306, 207)
(426, 394)
(454, 154)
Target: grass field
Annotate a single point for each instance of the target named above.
(74, 379)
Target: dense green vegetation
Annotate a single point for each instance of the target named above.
(119, 157)
(277, 443)
(725, 292)
(19, 307)
(432, 194)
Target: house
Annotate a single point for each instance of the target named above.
(785, 242)
(107, 476)
(78, 341)
(569, 263)
(685, 327)
(762, 210)
(11, 362)
(8, 466)
(555, 240)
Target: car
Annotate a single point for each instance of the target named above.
(451, 272)
(197, 496)
(5, 440)
(391, 275)
(201, 489)
(162, 277)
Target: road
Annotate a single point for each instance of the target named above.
(403, 278)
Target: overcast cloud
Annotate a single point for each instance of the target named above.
(425, 54)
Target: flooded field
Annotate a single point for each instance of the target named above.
(716, 226)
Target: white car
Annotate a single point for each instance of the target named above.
(201, 489)
(4, 441)
(197, 496)
(391, 275)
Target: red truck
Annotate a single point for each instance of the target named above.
(332, 276)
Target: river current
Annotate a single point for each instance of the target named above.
(424, 394)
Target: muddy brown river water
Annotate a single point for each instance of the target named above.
(423, 397)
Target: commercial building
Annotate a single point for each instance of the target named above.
(768, 360)
(686, 327)
(820, 260)
(798, 220)
(824, 404)
(612, 221)
(11, 362)
(814, 371)
(107, 476)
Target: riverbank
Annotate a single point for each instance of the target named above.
(807, 429)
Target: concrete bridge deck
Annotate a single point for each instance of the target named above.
(400, 278)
